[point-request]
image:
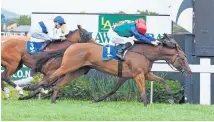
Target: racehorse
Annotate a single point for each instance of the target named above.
(14, 55)
(138, 62)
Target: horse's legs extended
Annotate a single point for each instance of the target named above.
(5, 89)
(35, 88)
(38, 85)
(5, 76)
(2, 85)
(63, 70)
(153, 77)
(141, 83)
(37, 91)
(120, 82)
(68, 78)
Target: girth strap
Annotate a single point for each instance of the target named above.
(120, 68)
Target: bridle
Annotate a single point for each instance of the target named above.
(179, 58)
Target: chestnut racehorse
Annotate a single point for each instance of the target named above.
(14, 55)
(138, 62)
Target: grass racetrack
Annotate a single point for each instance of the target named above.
(85, 110)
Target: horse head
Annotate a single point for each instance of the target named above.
(178, 59)
(168, 41)
(80, 35)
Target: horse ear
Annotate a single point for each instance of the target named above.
(79, 27)
(165, 35)
(177, 47)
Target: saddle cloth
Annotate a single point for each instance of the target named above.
(33, 47)
(109, 52)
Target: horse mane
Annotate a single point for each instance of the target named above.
(71, 32)
(42, 57)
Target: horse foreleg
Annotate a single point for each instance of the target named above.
(120, 82)
(34, 93)
(153, 77)
(68, 78)
(140, 80)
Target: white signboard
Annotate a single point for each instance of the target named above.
(99, 24)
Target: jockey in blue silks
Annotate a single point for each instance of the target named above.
(48, 31)
(125, 32)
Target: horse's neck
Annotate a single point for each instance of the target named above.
(154, 53)
(28, 59)
(166, 53)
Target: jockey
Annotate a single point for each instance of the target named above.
(125, 32)
(48, 31)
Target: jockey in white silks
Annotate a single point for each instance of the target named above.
(45, 31)
(125, 32)
(48, 31)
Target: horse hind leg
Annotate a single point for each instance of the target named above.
(67, 79)
(10, 71)
(120, 82)
(6, 77)
(6, 74)
(64, 69)
(37, 85)
(5, 89)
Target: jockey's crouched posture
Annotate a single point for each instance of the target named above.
(125, 32)
(48, 31)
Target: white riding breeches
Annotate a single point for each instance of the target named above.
(116, 39)
(37, 35)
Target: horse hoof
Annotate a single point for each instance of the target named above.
(171, 101)
(6, 98)
(53, 102)
(20, 98)
(95, 101)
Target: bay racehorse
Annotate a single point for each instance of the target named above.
(14, 55)
(138, 62)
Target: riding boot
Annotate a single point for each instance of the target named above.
(122, 49)
(46, 43)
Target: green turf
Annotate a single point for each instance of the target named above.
(85, 110)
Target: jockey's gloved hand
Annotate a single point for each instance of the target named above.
(155, 42)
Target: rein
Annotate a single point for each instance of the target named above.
(142, 53)
(170, 64)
